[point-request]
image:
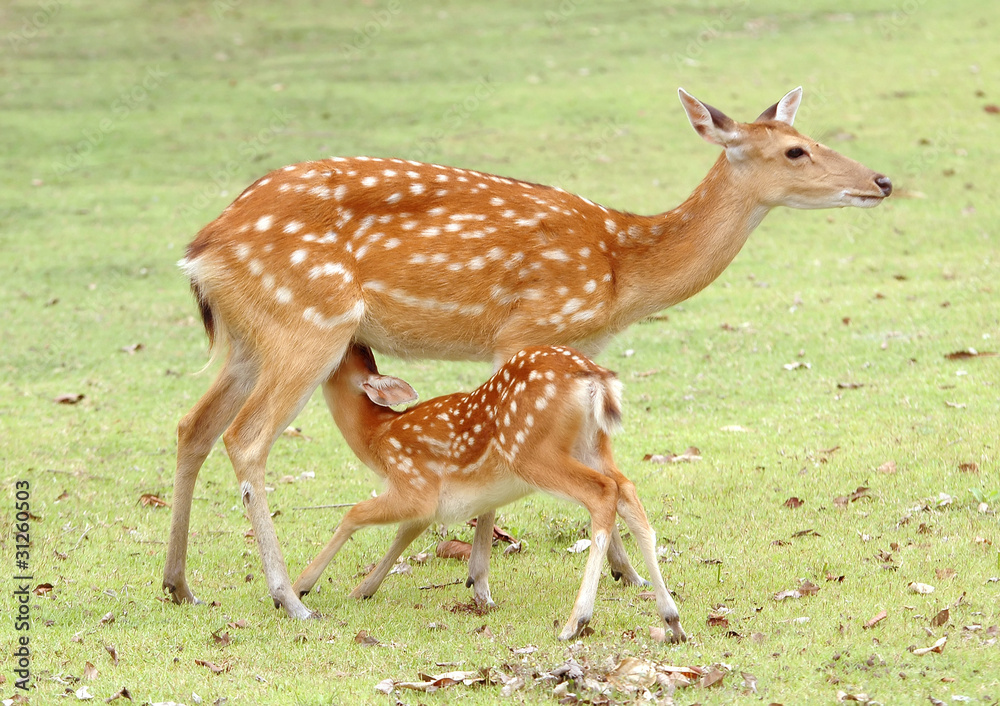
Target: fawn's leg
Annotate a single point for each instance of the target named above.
(568, 478)
(621, 568)
(406, 507)
(634, 515)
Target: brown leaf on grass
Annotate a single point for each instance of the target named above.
(970, 353)
(431, 684)
(992, 109)
(713, 677)
(69, 398)
(107, 618)
(936, 647)
(454, 549)
(793, 502)
(221, 639)
(132, 349)
(971, 467)
(850, 385)
(882, 615)
(941, 618)
(921, 588)
(363, 638)
(113, 653)
(808, 588)
(122, 693)
(749, 682)
(237, 624)
(860, 698)
(946, 573)
(806, 533)
(150, 500)
(887, 467)
(717, 620)
(215, 668)
(690, 454)
(42, 589)
(89, 671)
(633, 674)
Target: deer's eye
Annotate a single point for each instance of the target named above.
(795, 152)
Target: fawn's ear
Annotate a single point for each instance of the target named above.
(387, 391)
(711, 123)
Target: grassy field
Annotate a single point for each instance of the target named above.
(129, 125)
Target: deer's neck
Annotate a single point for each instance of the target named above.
(685, 249)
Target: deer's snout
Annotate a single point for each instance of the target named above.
(884, 183)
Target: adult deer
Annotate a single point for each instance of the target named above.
(542, 422)
(419, 260)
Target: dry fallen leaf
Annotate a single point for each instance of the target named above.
(936, 647)
(132, 349)
(82, 694)
(713, 677)
(579, 546)
(797, 365)
(363, 638)
(921, 588)
(42, 589)
(941, 618)
(113, 653)
(122, 693)
(221, 639)
(970, 353)
(215, 668)
(690, 454)
(794, 502)
(971, 467)
(107, 618)
(89, 671)
(633, 674)
(882, 615)
(454, 549)
(150, 500)
(887, 467)
(68, 398)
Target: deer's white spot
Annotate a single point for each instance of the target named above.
(283, 295)
(292, 227)
(264, 223)
(394, 198)
(369, 181)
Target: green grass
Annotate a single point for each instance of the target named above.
(129, 125)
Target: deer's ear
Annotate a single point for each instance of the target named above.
(387, 391)
(785, 109)
(711, 123)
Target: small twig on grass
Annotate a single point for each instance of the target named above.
(441, 585)
(323, 507)
(85, 533)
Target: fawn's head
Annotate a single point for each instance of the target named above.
(783, 166)
(358, 375)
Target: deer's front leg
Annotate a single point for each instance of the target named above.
(479, 560)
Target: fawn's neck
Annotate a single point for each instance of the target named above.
(685, 249)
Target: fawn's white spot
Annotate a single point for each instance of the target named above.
(369, 181)
(283, 295)
(264, 223)
(292, 227)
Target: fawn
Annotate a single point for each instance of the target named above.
(420, 260)
(542, 422)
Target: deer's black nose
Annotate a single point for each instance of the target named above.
(883, 182)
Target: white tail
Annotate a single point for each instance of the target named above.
(420, 260)
(542, 422)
